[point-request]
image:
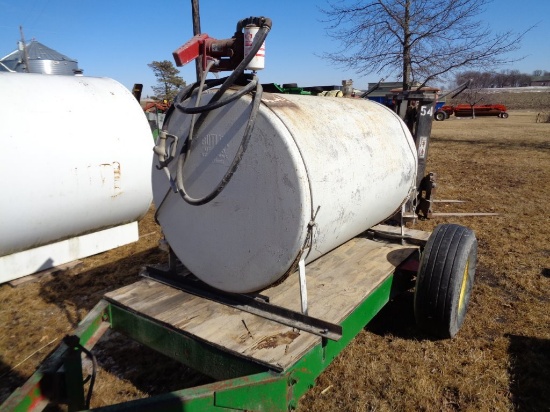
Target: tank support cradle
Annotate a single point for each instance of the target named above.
(252, 303)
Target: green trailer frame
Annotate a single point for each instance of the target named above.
(244, 383)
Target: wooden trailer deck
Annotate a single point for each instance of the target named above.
(336, 284)
(258, 364)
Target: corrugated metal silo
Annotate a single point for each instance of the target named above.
(41, 59)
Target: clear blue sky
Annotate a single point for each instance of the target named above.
(118, 38)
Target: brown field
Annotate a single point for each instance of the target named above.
(499, 361)
(535, 101)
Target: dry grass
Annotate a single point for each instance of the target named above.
(499, 361)
(516, 100)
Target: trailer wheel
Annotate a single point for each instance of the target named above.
(445, 279)
(440, 116)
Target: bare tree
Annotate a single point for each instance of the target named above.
(477, 78)
(504, 78)
(415, 40)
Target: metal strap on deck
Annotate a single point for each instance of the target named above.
(248, 303)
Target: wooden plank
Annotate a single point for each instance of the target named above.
(340, 280)
(44, 274)
(337, 283)
(215, 323)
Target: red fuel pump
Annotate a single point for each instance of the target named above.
(227, 54)
(243, 51)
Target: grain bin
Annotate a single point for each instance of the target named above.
(316, 172)
(75, 161)
(35, 57)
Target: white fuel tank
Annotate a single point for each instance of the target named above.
(342, 165)
(75, 159)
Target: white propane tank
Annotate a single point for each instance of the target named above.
(75, 160)
(342, 165)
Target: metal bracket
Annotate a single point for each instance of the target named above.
(303, 286)
(248, 303)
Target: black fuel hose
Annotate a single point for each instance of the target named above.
(234, 164)
(265, 27)
(214, 103)
(212, 106)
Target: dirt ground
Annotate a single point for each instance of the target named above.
(499, 361)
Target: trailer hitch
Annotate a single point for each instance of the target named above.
(73, 376)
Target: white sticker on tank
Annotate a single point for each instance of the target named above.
(422, 147)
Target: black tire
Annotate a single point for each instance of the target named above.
(504, 115)
(290, 85)
(440, 116)
(445, 280)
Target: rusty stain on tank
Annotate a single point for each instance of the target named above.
(112, 171)
(117, 175)
(275, 100)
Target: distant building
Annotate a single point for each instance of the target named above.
(383, 93)
(386, 91)
(34, 57)
(540, 81)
